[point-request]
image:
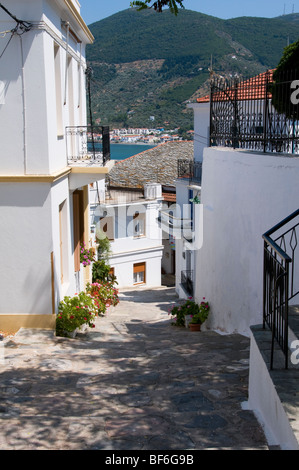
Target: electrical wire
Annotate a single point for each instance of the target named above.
(2, 53)
(21, 28)
(22, 25)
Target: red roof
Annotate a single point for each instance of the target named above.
(252, 89)
(169, 197)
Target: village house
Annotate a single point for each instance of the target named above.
(46, 162)
(130, 210)
(246, 267)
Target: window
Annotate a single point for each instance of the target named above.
(70, 90)
(63, 242)
(139, 273)
(107, 227)
(138, 225)
(78, 225)
(58, 91)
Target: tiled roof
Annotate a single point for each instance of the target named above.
(156, 165)
(252, 89)
(169, 197)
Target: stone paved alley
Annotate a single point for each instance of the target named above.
(135, 382)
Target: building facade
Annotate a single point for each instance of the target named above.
(129, 219)
(44, 174)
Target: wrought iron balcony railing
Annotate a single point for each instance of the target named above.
(255, 114)
(88, 145)
(175, 225)
(190, 170)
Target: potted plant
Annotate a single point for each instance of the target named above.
(182, 314)
(86, 256)
(199, 316)
(74, 313)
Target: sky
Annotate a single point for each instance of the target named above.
(95, 10)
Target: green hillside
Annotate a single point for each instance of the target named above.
(148, 65)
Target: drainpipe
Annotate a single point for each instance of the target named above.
(24, 107)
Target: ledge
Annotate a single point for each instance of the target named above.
(53, 177)
(40, 178)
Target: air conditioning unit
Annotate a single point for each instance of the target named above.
(152, 191)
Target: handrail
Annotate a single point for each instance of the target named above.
(277, 277)
(282, 223)
(277, 248)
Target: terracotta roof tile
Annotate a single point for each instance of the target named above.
(252, 89)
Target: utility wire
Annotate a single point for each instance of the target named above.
(24, 25)
(20, 28)
(2, 53)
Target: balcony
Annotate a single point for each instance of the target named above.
(88, 154)
(187, 281)
(87, 145)
(175, 226)
(190, 170)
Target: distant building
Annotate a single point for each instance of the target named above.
(129, 211)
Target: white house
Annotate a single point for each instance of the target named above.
(243, 194)
(45, 163)
(246, 192)
(184, 218)
(130, 221)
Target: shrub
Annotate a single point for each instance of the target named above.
(199, 313)
(74, 312)
(104, 295)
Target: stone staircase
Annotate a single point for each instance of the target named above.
(274, 394)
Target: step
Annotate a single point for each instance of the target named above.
(276, 391)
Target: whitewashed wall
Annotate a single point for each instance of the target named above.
(244, 194)
(128, 250)
(201, 128)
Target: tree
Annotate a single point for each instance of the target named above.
(158, 5)
(286, 81)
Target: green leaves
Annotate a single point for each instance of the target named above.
(285, 74)
(159, 5)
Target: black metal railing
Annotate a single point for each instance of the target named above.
(88, 143)
(187, 281)
(280, 280)
(190, 170)
(259, 114)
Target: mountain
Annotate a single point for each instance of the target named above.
(146, 65)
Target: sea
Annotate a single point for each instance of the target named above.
(122, 151)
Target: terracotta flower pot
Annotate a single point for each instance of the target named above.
(194, 326)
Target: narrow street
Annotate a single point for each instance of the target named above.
(135, 382)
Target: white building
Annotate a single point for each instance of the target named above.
(130, 221)
(44, 206)
(183, 219)
(243, 194)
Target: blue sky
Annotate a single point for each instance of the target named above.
(95, 10)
